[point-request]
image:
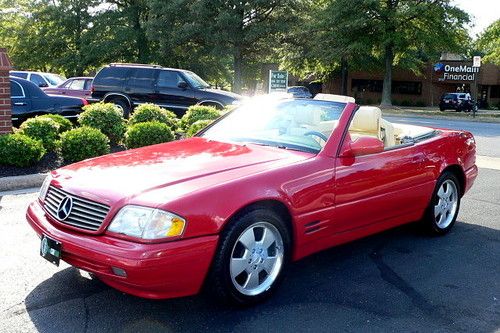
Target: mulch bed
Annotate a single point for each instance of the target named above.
(48, 163)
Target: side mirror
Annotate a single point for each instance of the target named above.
(43, 85)
(364, 145)
(183, 85)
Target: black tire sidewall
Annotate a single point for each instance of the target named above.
(124, 105)
(429, 218)
(220, 279)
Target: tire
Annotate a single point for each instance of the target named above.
(443, 208)
(123, 105)
(251, 259)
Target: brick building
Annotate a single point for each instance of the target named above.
(5, 106)
(426, 88)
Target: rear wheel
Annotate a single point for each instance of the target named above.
(443, 209)
(251, 259)
(123, 105)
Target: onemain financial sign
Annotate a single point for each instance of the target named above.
(456, 72)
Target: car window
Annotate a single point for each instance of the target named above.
(169, 79)
(461, 96)
(142, 78)
(450, 96)
(54, 79)
(112, 76)
(77, 85)
(37, 79)
(88, 84)
(15, 90)
(19, 74)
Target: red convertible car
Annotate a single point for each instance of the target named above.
(268, 183)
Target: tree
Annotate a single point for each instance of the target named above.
(489, 43)
(240, 32)
(386, 33)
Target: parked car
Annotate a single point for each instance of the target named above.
(128, 85)
(456, 101)
(75, 86)
(39, 78)
(230, 208)
(299, 92)
(28, 100)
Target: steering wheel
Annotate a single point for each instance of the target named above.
(317, 134)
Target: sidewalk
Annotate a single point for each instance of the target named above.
(434, 112)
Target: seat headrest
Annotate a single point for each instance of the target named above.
(366, 119)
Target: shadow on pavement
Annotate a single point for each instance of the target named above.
(399, 280)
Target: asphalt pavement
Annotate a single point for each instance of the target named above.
(399, 280)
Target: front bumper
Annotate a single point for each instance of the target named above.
(161, 270)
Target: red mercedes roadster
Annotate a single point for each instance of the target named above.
(268, 183)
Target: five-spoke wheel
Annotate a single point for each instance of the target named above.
(251, 258)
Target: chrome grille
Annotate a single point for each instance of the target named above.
(85, 214)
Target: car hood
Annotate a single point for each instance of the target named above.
(120, 177)
(220, 92)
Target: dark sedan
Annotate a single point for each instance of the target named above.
(75, 87)
(28, 100)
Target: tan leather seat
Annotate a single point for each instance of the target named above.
(366, 121)
(388, 133)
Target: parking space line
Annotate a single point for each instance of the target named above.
(488, 162)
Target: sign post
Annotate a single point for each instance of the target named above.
(278, 81)
(476, 63)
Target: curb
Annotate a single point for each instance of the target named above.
(21, 182)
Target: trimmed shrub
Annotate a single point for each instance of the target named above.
(105, 117)
(81, 143)
(420, 103)
(198, 112)
(44, 129)
(64, 124)
(20, 150)
(197, 126)
(145, 134)
(151, 112)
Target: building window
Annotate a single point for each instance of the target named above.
(361, 85)
(495, 92)
(407, 88)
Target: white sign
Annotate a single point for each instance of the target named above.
(278, 81)
(476, 61)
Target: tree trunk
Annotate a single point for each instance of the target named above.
(387, 87)
(141, 40)
(343, 75)
(238, 69)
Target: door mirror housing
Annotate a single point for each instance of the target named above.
(183, 85)
(43, 85)
(363, 145)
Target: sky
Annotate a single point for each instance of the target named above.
(484, 12)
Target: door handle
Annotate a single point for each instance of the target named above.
(19, 103)
(63, 92)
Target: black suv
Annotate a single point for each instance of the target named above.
(456, 101)
(128, 85)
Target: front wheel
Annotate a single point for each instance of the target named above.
(251, 259)
(443, 209)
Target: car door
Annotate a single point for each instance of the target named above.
(168, 94)
(77, 88)
(140, 85)
(386, 187)
(38, 80)
(20, 101)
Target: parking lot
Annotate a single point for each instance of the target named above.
(400, 280)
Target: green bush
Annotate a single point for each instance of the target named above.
(20, 150)
(198, 112)
(406, 102)
(197, 126)
(420, 103)
(105, 117)
(43, 129)
(151, 112)
(145, 134)
(64, 124)
(82, 143)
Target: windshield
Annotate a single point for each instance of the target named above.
(195, 81)
(54, 79)
(303, 125)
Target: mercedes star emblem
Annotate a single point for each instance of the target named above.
(64, 208)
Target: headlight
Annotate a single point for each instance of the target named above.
(147, 223)
(44, 188)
